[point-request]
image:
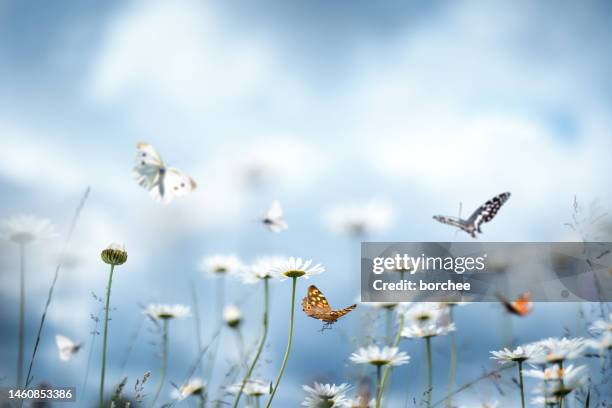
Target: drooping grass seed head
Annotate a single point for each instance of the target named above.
(114, 255)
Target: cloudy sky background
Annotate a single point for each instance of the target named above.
(420, 106)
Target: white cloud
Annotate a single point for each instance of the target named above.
(177, 52)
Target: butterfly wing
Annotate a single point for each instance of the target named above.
(488, 210)
(66, 347)
(336, 314)
(273, 219)
(173, 183)
(455, 222)
(520, 307)
(315, 304)
(148, 166)
(275, 211)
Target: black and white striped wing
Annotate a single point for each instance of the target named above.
(487, 211)
(455, 222)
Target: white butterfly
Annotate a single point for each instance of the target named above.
(66, 347)
(273, 219)
(164, 183)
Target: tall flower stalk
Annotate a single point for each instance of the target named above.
(288, 349)
(21, 313)
(452, 371)
(429, 371)
(164, 313)
(164, 362)
(22, 230)
(293, 268)
(520, 372)
(113, 255)
(387, 356)
(519, 356)
(387, 372)
(429, 321)
(262, 342)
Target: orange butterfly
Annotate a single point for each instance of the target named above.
(316, 306)
(520, 307)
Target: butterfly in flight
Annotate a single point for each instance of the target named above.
(273, 219)
(164, 183)
(520, 307)
(66, 347)
(316, 306)
(484, 213)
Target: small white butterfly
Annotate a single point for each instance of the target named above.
(164, 183)
(273, 219)
(66, 347)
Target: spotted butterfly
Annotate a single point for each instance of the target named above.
(163, 182)
(316, 306)
(520, 307)
(484, 213)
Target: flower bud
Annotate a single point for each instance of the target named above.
(114, 255)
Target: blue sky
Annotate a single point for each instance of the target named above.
(421, 106)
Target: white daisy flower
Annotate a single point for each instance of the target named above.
(296, 268)
(161, 312)
(558, 382)
(520, 354)
(217, 265)
(253, 388)
(427, 330)
(325, 395)
(379, 357)
(546, 401)
(600, 326)
(195, 386)
(360, 218)
(263, 268)
(273, 220)
(555, 350)
(603, 343)
(422, 312)
(232, 315)
(556, 373)
(23, 229)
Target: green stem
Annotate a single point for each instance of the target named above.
(220, 305)
(520, 370)
(562, 385)
(388, 325)
(388, 368)
(429, 371)
(262, 342)
(280, 374)
(452, 372)
(164, 362)
(257, 401)
(378, 385)
(21, 313)
(105, 336)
